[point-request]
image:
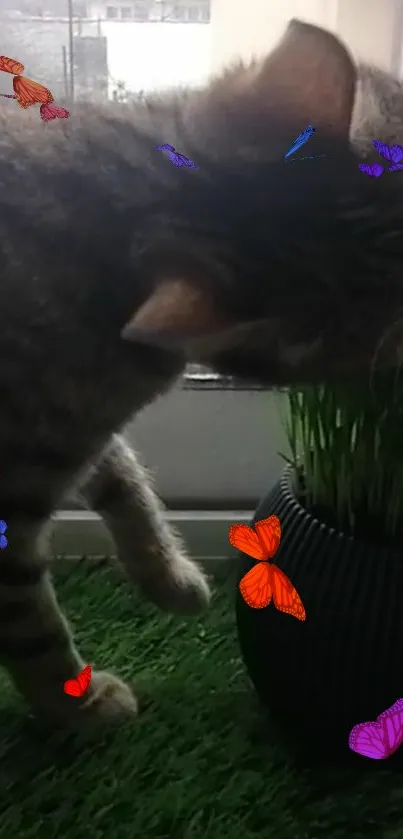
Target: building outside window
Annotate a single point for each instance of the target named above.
(126, 13)
(112, 13)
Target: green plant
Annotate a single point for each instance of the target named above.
(346, 447)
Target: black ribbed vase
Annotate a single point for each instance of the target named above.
(344, 664)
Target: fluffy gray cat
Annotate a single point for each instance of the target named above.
(117, 268)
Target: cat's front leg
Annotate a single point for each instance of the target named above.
(36, 645)
(150, 552)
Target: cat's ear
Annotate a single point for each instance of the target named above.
(310, 75)
(182, 318)
(176, 314)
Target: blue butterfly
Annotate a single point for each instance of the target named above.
(302, 138)
(3, 540)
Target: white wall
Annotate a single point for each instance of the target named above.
(154, 56)
(371, 28)
(151, 56)
(244, 29)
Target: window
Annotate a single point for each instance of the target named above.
(193, 14)
(80, 8)
(190, 13)
(126, 13)
(112, 13)
(177, 14)
(141, 12)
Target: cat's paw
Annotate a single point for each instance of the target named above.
(109, 698)
(177, 585)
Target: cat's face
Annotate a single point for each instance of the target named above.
(274, 280)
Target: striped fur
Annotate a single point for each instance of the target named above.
(92, 219)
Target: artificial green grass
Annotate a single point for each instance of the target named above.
(200, 761)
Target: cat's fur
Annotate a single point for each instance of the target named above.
(269, 271)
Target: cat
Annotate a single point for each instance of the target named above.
(117, 268)
(308, 286)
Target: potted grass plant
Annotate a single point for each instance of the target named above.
(340, 505)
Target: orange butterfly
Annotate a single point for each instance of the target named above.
(9, 65)
(78, 686)
(265, 581)
(29, 92)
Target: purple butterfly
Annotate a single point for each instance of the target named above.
(176, 158)
(391, 153)
(180, 160)
(381, 738)
(374, 169)
(165, 147)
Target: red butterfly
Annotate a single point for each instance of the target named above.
(265, 581)
(29, 92)
(10, 65)
(78, 686)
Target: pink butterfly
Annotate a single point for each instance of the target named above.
(49, 112)
(381, 738)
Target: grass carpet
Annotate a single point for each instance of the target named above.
(199, 762)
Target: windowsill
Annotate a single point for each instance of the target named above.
(201, 378)
(79, 533)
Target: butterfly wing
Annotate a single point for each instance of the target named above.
(84, 679)
(269, 533)
(392, 723)
(395, 167)
(29, 92)
(380, 739)
(382, 149)
(255, 586)
(368, 739)
(396, 153)
(373, 170)
(175, 158)
(285, 596)
(391, 153)
(301, 140)
(72, 688)
(9, 65)
(244, 538)
(187, 161)
(165, 147)
(49, 112)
